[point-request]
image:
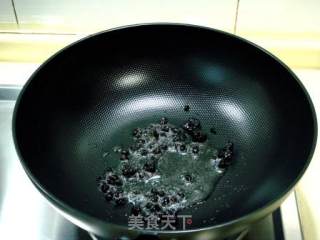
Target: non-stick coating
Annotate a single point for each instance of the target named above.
(90, 96)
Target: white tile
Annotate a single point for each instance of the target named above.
(279, 16)
(290, 29)
(12, 73)
(84, 15)
(6, 12)
(308, 195)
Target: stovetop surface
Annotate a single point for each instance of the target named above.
(25, 214)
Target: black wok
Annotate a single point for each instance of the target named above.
(89, 96)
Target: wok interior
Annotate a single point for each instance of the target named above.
(89, 97)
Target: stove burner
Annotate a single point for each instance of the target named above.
(239, 236)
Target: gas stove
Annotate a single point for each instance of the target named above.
(25, 214)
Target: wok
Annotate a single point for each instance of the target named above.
(88, 97)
